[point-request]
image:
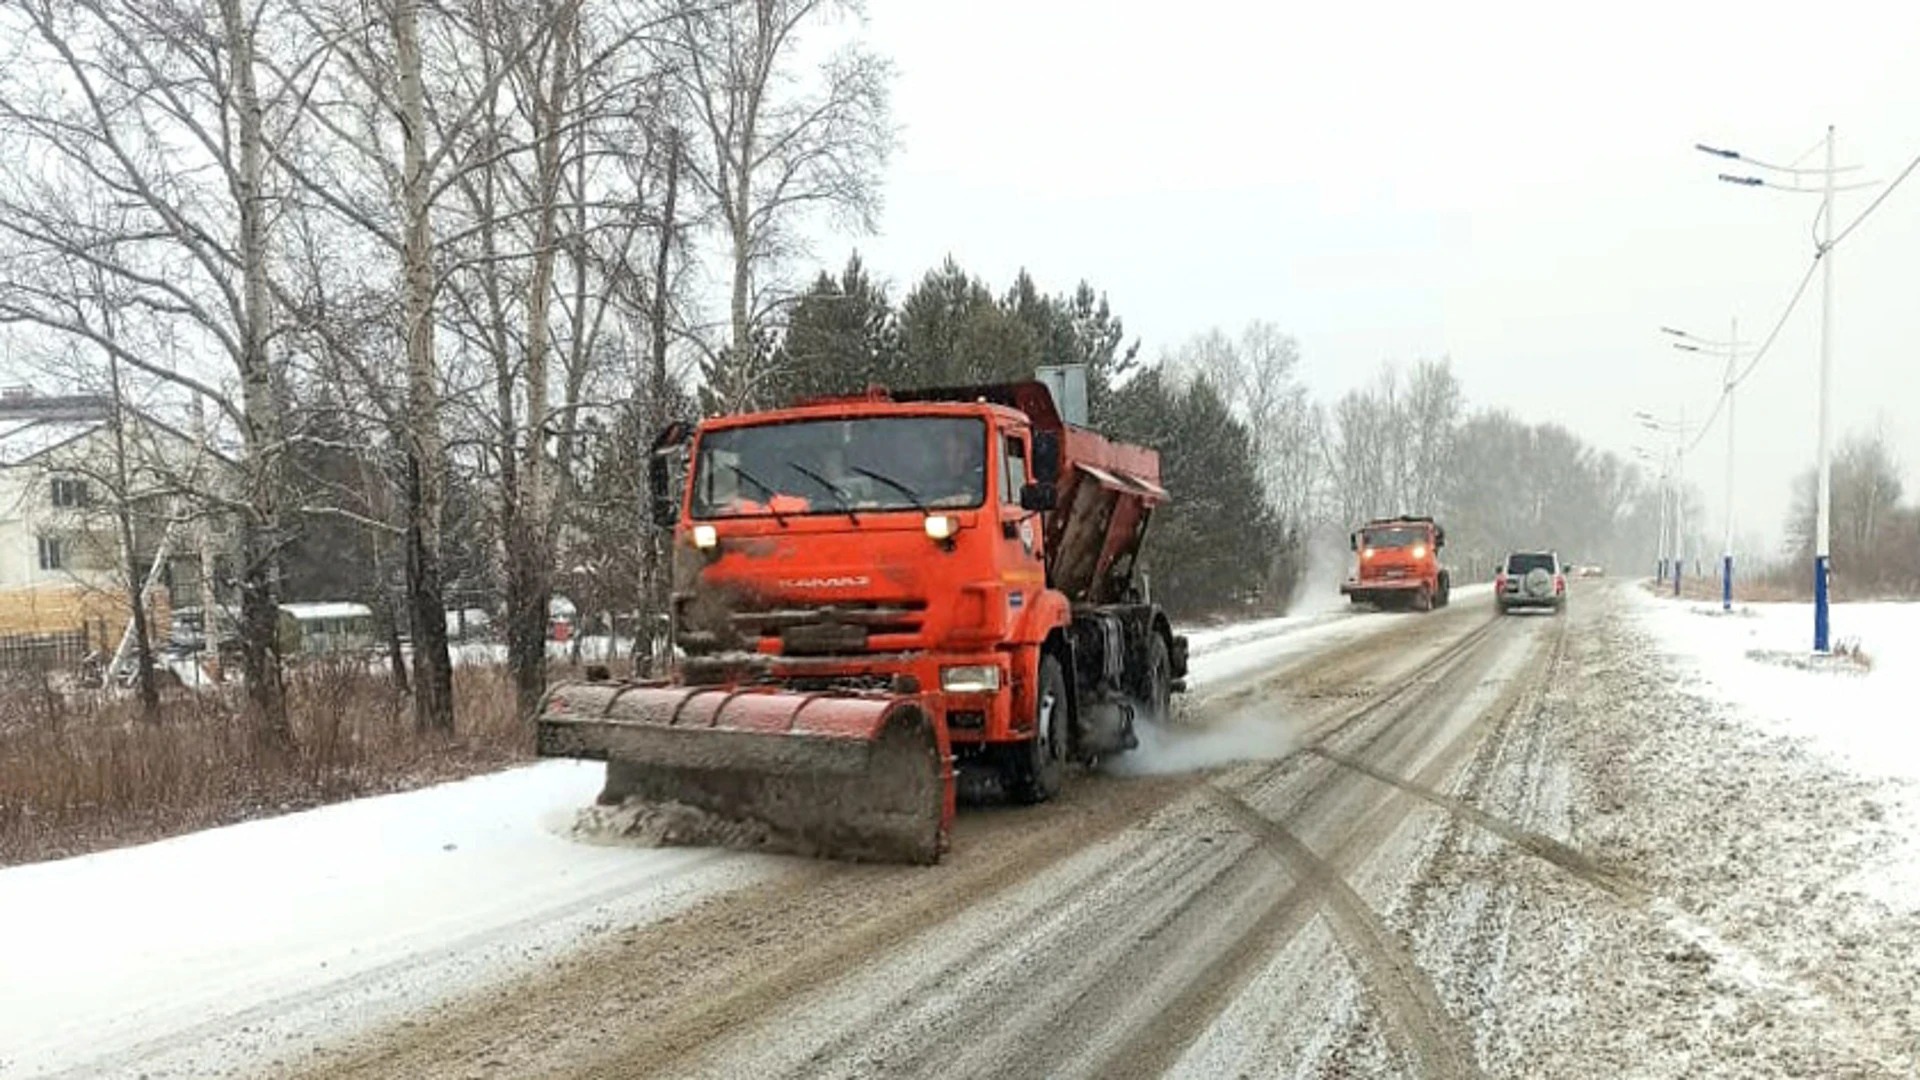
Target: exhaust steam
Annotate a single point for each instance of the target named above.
(1248, 735)
(1318, 589)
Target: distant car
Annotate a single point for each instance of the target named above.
(1531, 579)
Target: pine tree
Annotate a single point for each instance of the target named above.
(840, 338)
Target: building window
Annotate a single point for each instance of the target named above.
(70, 494)
(53, 553)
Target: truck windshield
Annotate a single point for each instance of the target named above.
(837, 466)
(1400, 537)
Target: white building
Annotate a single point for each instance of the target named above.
(63, 565)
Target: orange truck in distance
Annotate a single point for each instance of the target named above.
(871, 592)
(1397, 564)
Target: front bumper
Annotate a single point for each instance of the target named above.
(1351, 587)
(970, 717)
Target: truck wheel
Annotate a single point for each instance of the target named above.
(1423, 600)
(1159, 703)
(1035, 768)
(1446, 590)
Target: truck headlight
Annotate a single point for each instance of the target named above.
(941, 527)
(970, 679)
(1367, 553)
(1419, 551)
(705, 536)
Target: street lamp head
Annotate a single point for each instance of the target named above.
(1675, 333)
(1684, 347)
(1744, 181)
(1717, 152)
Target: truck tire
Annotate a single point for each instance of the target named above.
(1446, 589)
(1159, 703)
(1034, 769)
(1423, 599)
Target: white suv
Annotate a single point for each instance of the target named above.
(1531, 579)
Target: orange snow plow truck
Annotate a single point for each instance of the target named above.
(872, 592)
(1398, 564)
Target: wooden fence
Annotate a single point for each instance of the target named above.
(44, 652)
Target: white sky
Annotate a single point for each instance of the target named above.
(1512, 185)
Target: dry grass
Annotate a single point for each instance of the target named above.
(1772, 585)
(1748, 591)
(79, 775)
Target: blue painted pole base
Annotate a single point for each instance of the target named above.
(1726, 583)
(1820, 573)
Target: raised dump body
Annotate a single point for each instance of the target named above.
(869, 591)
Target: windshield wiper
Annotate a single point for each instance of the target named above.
(912, 495)
(765, 489)
(838, 492)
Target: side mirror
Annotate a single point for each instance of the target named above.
(660, 487)
(1039, 497)
(1353, 541)
(1046, 457)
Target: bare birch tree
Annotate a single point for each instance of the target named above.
(156, 106)
(774, 148)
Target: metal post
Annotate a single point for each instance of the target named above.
(1726, 553)
(1660, 575)
(1679, 505)
(1822, 526)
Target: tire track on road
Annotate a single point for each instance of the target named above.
(1386, 969)
(1603, 876)
(1410, 1006)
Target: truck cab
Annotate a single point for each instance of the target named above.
(1397, 564)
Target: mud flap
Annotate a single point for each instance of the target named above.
(865, 778)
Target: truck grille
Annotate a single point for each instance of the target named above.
(835, 629)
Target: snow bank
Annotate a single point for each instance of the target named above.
(216, 945)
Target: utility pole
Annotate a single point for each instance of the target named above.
(1679, 430)
(1822, 537)
(1822, 530)
(1730, 353)
(1726, 387)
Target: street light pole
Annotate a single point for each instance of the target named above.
(1823, 522)
(1679, 509)
(1822, 568)
(1726, 551)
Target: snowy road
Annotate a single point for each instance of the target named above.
(1448, 845)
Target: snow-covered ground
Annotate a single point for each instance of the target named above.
(214, 949)
(215, 945)
(1863, 723)
(1867, 720)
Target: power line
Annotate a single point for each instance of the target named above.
(1798, 292)
(1759, 354)
(1875, 204)
(1779, 324)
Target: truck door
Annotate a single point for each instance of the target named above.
(1020, 533)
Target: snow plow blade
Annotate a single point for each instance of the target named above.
(863, 778)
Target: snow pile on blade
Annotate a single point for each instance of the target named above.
(863, 778)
